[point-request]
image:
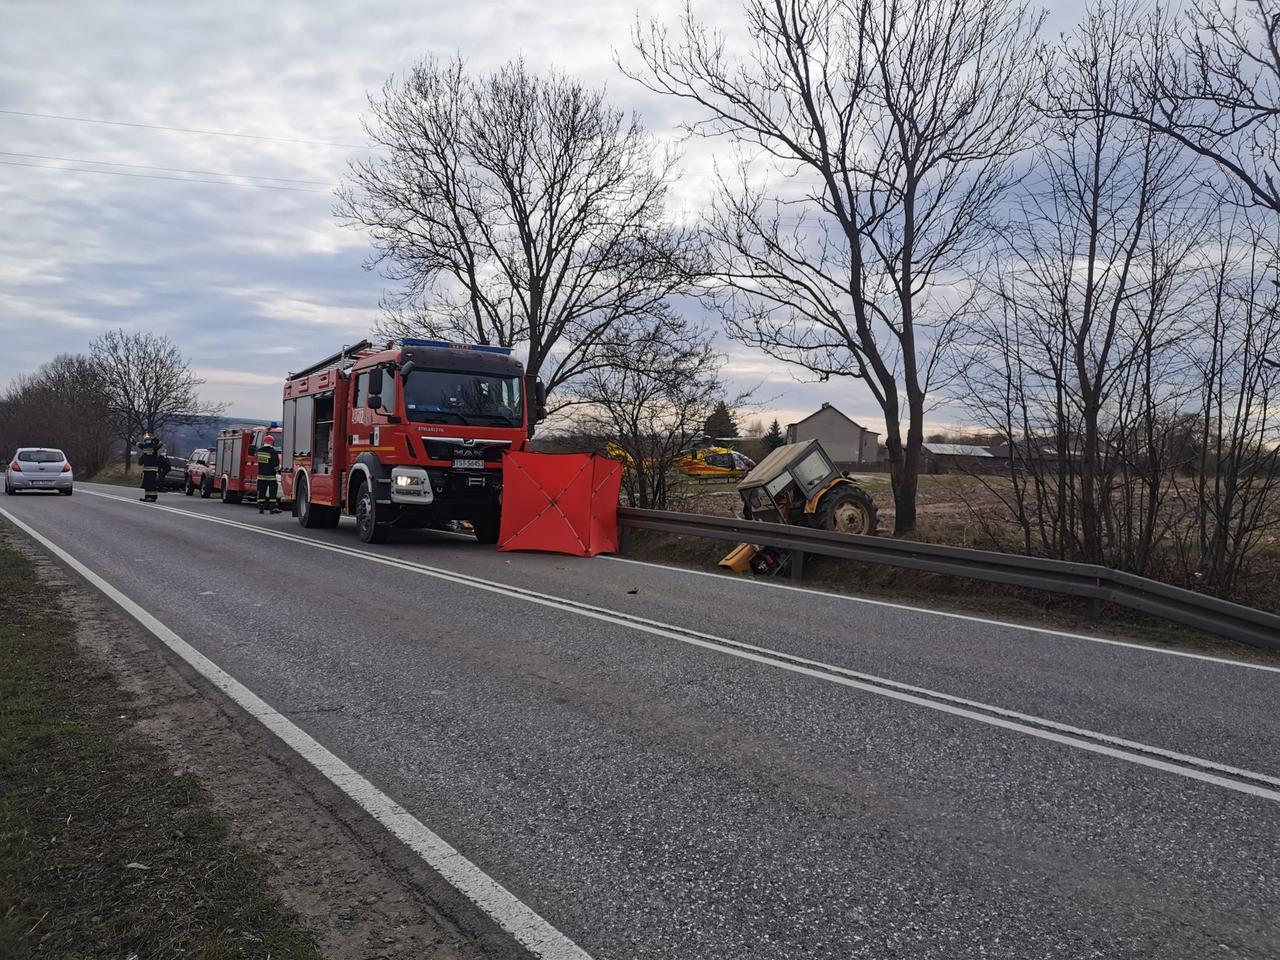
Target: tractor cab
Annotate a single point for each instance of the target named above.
(798, 483)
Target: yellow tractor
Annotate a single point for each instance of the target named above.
(798, 483)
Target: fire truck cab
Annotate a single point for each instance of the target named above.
(405, 435)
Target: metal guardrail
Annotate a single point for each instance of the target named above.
(1095, 583)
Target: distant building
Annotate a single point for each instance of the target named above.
(962, 458)
(845, 441)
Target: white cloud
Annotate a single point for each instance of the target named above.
(237, 378)
(241, 276)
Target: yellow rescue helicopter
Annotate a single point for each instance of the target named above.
(700, 463)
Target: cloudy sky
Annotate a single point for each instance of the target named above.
(250, 274)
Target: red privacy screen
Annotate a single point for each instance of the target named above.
(561, 503)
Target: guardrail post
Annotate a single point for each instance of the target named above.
(1094, 610)
(797, 564)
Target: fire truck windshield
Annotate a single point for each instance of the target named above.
(449, 396)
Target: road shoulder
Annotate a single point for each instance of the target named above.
(357, 892)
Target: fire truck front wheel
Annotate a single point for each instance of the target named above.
(371, 521)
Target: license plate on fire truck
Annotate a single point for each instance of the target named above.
(468, 464)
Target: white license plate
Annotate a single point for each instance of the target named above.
(46, 482)
(468, 464)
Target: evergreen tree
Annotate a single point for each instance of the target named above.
(721, 423)
(774, 438)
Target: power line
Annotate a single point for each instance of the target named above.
(156, 176)
(207, 133)
(143, 166)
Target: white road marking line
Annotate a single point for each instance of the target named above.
(1195, 768)
(508, 911)
(1049, 631)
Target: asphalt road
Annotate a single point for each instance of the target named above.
(669, 765)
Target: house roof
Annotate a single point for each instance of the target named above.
(957, 450)
(827, 406)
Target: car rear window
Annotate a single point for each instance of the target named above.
(41, 456)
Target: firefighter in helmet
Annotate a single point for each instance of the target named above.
(154, 466)
(268, 475)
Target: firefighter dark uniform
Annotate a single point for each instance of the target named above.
(153, 465)
(268, 476)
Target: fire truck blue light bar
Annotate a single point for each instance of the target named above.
(480, 348)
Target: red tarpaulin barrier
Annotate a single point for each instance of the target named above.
(562, 503)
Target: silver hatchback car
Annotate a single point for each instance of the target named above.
(38, 468)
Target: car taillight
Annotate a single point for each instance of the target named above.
(66, 467)
(15, 467)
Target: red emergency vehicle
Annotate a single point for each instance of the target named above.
(236, 463)
(407, 434)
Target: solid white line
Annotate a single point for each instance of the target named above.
(1048, 631)
(1139, 753)
(507, 910)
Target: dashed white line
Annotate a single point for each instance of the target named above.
(970, 618)
(1185, 765)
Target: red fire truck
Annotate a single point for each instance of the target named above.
(236, 464)
(405, 435)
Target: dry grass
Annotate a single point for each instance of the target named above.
(104, 850)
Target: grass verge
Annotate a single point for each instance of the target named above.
(116, 476)
(105, 851)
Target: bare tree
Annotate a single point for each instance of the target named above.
(1210, 81)
(904, 115)
(148, 383)
(649, 401)
(1079, 366)
(62, 404)
(1234, 495)
(515, 209)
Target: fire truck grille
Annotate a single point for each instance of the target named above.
(444, 450)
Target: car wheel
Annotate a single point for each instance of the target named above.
(369, 523)
(187, 487)
(66, 492)
(206, 487)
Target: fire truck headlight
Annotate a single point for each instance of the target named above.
(411, 485)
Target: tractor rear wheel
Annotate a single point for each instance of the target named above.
(846, 509)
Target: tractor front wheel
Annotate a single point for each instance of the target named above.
(846, 509)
